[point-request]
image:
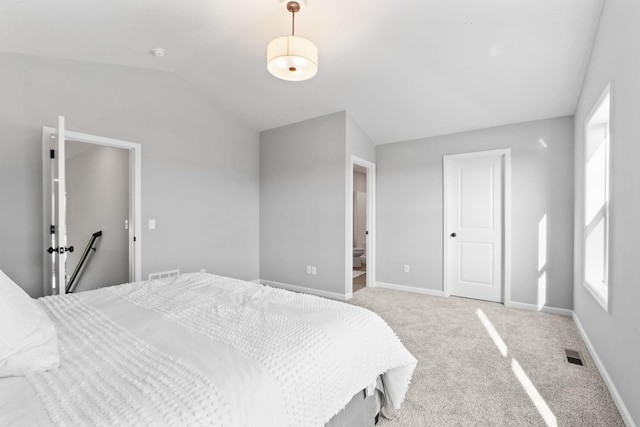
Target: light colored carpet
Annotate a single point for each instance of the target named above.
(463, 378)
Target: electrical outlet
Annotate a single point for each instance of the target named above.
(308, 269)
(313, 270)
(152, 224)
(406, 268)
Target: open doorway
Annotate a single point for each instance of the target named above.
(359, 262)
(93, 155)
(361, 248)
(98, 203)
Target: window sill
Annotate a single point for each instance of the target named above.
(600, 293)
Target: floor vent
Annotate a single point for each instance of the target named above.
(574, 357)
(164, 274)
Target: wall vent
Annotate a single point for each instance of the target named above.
(574, 357)
(164, 274)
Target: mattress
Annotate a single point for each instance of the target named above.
(201, 349)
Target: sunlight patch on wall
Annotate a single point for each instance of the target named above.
(542, 290)
(542, 262)
(542, 243)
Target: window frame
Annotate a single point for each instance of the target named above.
(601, 291)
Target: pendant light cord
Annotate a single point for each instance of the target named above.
(293, 23)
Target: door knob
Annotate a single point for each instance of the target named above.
(453, 234)
(60, 250)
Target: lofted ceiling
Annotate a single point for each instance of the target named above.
(402, 69)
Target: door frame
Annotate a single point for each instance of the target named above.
(371, 224)
(135, 201)
(506, 217)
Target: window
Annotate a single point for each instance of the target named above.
(596, 197)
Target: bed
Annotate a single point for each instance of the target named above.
(201, 349)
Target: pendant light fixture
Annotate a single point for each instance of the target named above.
(290, 57)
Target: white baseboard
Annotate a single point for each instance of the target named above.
(304, 290)
(512, 304)
(617, 399)
(410, 289)
(544, 309)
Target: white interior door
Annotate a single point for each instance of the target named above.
(474, 214)
(57, 251)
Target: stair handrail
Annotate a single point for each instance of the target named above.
(83, 258)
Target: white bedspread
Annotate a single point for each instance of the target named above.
(200, 349)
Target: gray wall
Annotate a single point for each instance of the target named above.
(97, 182)
(358, 143)
(304, 218)
(302, 203)
(410, 206)
(199, 165)
(615, 336)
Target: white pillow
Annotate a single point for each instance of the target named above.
(28, 339)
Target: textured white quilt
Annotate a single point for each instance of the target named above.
(200, 349)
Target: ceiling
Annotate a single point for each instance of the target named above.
(402, 69)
